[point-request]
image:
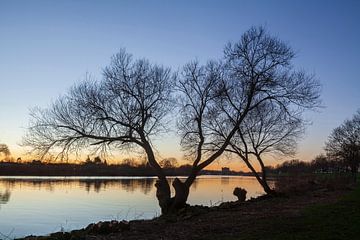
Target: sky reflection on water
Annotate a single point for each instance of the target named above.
(40, 205)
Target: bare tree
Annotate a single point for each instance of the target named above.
(267, 130)
(321, 163)
(130, 104)
(124, 109)
(220, 100)
(344, 144)
(4, 149)
(129, 162)
(169, 163)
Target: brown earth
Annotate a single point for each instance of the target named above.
(228, 220)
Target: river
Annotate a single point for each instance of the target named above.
(41, 205)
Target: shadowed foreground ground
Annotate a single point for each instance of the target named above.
(317, 214)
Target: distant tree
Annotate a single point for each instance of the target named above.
(343, 144)
(143, 163)
(168, 163)
(88, 160)
(97, 160)
(320, 163)
(294, 166)
(131, 103)
(129, 162)
(4, 149)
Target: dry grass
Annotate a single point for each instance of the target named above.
(298, 184)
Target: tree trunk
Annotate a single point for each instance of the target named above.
(261, 180)
(181, 195)
(167, 203)
(266, 187)
(163, 194)
(264, 182)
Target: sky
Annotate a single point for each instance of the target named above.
(47, 46)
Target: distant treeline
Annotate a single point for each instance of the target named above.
(130, 167)
(96, 168)
(321, 164)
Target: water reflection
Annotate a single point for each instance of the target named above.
(40, 205)
(89, 184)
(225, 180)
(4, 197)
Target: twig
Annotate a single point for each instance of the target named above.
(7, 236)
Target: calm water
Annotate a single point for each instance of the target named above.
(40, 205)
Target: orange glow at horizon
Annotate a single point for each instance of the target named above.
(234, 164)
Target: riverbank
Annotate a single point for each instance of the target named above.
(37, 168)
(320, 213)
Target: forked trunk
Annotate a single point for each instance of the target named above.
(167, 203)
(181, 195)
(163, 194)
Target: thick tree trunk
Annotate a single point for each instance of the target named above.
(181, 195)
(163, 194)
(170, 204)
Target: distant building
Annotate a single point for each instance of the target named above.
(225, 170)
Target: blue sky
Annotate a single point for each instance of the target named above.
(46, 46)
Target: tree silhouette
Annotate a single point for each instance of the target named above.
(4, 149)
(344, 144)
(122, 110)
(222, 99)
(131, 103)
(168, 163)
(266, 130)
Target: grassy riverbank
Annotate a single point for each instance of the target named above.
(319, 213)
(339, 220)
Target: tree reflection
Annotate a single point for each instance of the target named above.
(225, 180)
(144, 185)
(4, 196)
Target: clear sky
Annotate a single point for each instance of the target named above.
(46, 46)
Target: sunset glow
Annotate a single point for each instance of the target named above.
(179, 120)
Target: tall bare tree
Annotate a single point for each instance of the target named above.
(130, 104)
(221, 99)
(125, 109)
(344, 144)
(267, 130)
